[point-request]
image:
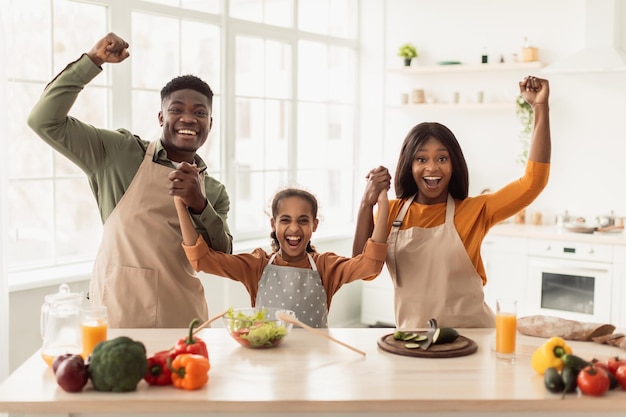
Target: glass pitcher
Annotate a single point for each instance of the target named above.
(60, 324)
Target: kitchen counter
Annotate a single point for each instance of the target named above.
(311, 375)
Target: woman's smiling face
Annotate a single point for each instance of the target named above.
(432, 171)
(294, 225)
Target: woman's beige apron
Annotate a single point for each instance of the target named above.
(141, 272)
(298, 289)
(434, 277)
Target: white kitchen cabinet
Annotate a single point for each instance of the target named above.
(618, 308)
(506, 264)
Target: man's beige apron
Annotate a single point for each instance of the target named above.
(141, 272)
(434, 277)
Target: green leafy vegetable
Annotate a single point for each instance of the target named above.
(253, 330)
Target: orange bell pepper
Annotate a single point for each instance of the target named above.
(190, 371)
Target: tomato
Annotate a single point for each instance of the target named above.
(620, 375)
(593, 381)
(601, 365)
(614, 363)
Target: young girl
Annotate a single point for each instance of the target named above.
(294, 276)
(436, 230)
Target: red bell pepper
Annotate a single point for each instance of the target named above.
(190, 344)
(159, 372)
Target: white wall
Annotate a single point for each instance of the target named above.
(587, 110)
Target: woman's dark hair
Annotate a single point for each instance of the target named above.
(190, 82)
(404, 183)
(286, 193)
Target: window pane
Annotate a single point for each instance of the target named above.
(342, 67)
(78, 223)
(76, 25)
(209, 6)
(277, 69)
(30, 156)
(200, 52)
(28, 29)
(250, 58)
(313, 16)
(330, 185)
(313, 71)
(255, 190)
(155, 58)
(343, 22)
(145, 110)
(251, 10)
(30, 223)
(312, 137)
(211, 151)
(279, 12)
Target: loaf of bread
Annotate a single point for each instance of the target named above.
(549, 326)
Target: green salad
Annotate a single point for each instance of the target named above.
(253, 330)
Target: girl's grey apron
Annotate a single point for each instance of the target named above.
(297, 289)
(434, 277)
(141, 272)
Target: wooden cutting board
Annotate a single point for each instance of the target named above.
(462, 346)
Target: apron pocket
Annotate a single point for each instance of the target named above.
(131, 296)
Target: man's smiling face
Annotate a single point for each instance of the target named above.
(186, 120)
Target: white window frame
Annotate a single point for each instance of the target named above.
(120, 111)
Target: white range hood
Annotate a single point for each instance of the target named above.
(604, 40)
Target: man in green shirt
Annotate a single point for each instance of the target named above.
(141, 272)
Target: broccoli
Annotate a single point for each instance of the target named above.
(118, 365)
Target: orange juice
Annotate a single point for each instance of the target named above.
(48, 359)
(506, 328)
(94, 332)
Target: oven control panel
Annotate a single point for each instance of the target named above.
(571, 250)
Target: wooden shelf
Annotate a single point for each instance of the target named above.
(423, 69)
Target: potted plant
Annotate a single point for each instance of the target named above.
(524, 112)
(408, 52)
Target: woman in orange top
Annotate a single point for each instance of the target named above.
(435, 230)
(293, 276)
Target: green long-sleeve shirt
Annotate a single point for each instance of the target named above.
(111, 158)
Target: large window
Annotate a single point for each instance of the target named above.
(283, 73)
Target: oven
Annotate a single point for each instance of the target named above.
(571, 280)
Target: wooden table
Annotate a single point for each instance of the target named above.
(311, 375)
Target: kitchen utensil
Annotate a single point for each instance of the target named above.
(209, 321)
(60, 324)
(432, 327)
(580, 228)
(297, 322)
(462, 346)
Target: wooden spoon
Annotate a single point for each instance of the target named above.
(286, 318)
(209, 321)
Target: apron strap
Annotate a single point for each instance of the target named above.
(405, 208)
(311, 261)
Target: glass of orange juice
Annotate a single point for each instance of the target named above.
(94, 327)
(506, 328)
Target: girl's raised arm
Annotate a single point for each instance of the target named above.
(190, 236)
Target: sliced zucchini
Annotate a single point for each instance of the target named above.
(445, 335)
(412, 345)
(409, 336)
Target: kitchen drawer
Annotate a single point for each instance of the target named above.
(571, 250)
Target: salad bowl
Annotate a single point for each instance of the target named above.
(257, 327)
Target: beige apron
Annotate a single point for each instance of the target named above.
(141, 272)
(434, 277)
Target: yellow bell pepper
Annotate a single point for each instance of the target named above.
(549, 355)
